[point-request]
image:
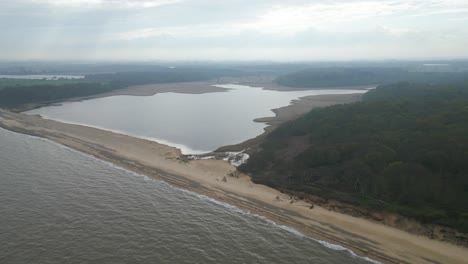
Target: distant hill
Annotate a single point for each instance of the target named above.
(341, 76)
(403, 149)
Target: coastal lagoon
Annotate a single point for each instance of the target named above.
(195, 123)
(61, 206)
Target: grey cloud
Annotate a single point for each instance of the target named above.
(240, 29)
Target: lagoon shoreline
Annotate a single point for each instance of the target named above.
(213, 178)
(288, 113)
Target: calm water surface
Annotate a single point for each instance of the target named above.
(60, 206)
(194, 123)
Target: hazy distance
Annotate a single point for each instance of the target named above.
(293, 30)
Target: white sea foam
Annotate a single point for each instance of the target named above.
(340, 248)
(283, 227)
(56, 144)
(291, 230)
(214, 201)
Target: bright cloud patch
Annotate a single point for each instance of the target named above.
(237, 29)
(106, 3)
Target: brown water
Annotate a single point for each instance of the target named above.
(61, 206)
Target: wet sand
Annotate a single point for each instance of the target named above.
(211, 178)
(364, 237)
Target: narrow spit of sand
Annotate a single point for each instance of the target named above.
(365, 238)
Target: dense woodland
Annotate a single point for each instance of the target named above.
(165, 75)
(15, 96)
(403, 149)
(355, 76)
(15, 93)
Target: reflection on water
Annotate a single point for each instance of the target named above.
(196, 123)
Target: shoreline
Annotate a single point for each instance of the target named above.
(200, 87)
(100, 150)
(138, 90)
(268, 83)
(365, 238)
(294, 110)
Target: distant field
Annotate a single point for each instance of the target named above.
(28, 82)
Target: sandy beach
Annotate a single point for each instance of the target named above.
(202, 87)
(141, 90)
(211, 178)
(266, 82)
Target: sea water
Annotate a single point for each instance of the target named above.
(61, 206)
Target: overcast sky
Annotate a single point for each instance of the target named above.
(288, 30)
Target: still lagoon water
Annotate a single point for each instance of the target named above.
(195, 123)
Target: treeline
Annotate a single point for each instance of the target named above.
(403, 149)
(16, 93)
(5, 82)
(340, 76)
(15, 96)
(165, 75)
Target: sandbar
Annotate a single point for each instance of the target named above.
(211, 178)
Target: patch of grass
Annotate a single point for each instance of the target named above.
(183, 159)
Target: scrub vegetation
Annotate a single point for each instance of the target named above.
(348, 76)
(403, 149)
(15, 93)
